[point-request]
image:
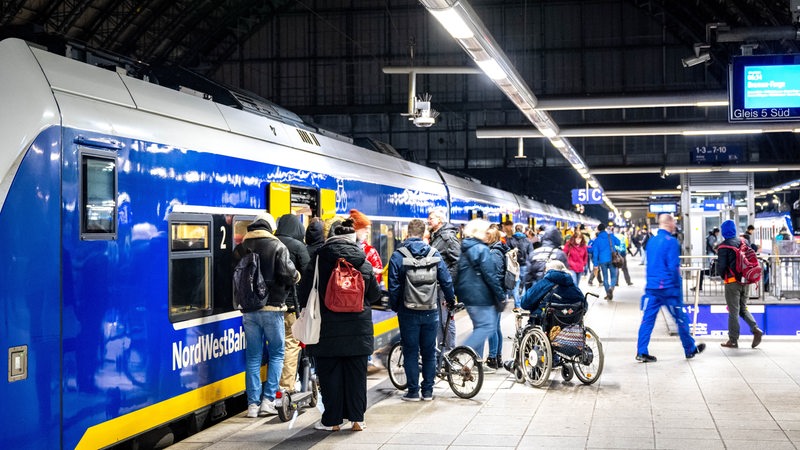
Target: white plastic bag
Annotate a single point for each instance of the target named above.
(306, 328)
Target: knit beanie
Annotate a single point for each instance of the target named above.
(728, 229)
(267, 217)
(360, 221)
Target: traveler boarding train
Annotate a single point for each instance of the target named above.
(121, 202)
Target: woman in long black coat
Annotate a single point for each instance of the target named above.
(346, 339)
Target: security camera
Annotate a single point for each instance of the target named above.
(422, 114)
(695, 60)
(424, 122)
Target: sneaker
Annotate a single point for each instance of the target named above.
(509, 365)
(645, 358)
(409, 397)
(359, 426)
(756, 338)
(252, 410)
(320, 426)
(427, 396)
(488, 369)
(697, 350)
(730, 344)
(268, 407)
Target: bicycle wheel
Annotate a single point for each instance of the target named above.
(464, 372)
(536, 357)
(394, 364)
(590, 362)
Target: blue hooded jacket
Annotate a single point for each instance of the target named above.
(564, 286)
(601, 251)
(663, 262)
(478, 283)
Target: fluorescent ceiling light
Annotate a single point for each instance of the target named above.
(585, 175)
(796, 130)
(548, 132)
(453, 23)
(719, 103)
(558, 143)
(730, 131)
(665, 192)
(753, 169)
(492, 69)
(795, 184)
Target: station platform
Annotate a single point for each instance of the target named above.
(722, 399)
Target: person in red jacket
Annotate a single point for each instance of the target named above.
(577, 256)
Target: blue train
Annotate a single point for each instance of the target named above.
(120, 204)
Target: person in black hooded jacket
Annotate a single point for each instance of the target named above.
(290, 232)
(345, 339)
(315, 236)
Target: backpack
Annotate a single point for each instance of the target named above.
(746, 262)
(519, 244)
(249, 288)
(345, 290)
(420, 293)
(512, 269)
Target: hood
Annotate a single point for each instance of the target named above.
(315, 233)
(289, 225)
(447, 228)
(552, 238)
(470, 242)
(560, 278)
(728, 229)
(519, 235)
(341, 247)
(265, 221)
(416, 246)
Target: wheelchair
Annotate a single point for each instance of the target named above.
(556, 338)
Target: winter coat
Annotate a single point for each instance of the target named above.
(498, 251)
(577, 256)
(726, 261)
(445, 239)
(601, 250)
(550, 249)
(663, 262)
(397, 274)
(478, 283)
(537, 296)
(291, 232)
(374, 259)
(315, 237)
(524, 247)
(277, 267)
(341, 334)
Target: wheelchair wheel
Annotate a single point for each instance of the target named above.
(536, 357)
(464, 372)
(589, 364)
(567, 372)
(394, 364)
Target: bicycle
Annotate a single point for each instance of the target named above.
(461, 366)
(567, 343)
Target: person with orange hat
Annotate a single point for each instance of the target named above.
(361, 223)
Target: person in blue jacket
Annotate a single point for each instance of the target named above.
(478, 284)
(663, 288)
(417, 328)
(601, 257)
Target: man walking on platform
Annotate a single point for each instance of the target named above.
(602, 249)
(444, 238)
(735, 292)
(663, 288)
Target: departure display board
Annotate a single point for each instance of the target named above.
(764, 88)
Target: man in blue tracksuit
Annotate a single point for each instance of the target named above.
(664, 289)
(601, 257)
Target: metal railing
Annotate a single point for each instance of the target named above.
(783, 276)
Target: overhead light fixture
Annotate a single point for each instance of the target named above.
(491, 69)
(452, 22)
(548, 132)
(753, 169)
(706, 104)
(796, 130)
(728, 131)
(558, 143)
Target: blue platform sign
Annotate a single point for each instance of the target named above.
(587, 196)
(716, 154)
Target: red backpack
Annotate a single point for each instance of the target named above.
(345, 291)
(746, 262)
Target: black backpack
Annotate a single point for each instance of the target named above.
(420, 292)
(249, 288)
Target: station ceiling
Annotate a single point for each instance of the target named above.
(604, 69)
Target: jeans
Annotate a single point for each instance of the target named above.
(496, 341)
(653, 300)
(260, 327)
(484, 323)
(736, 298)
(418, 335)
(520, 285)
(609, 275)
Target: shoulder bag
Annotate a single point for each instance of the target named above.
(616, 259)
(306, 328)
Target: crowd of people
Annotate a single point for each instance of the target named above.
(436, 265)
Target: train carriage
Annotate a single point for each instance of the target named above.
(120, 203)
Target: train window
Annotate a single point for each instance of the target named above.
(98, 196)
(190, 267)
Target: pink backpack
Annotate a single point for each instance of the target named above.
(746, 262)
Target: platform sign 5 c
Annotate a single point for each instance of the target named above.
(587, 196)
